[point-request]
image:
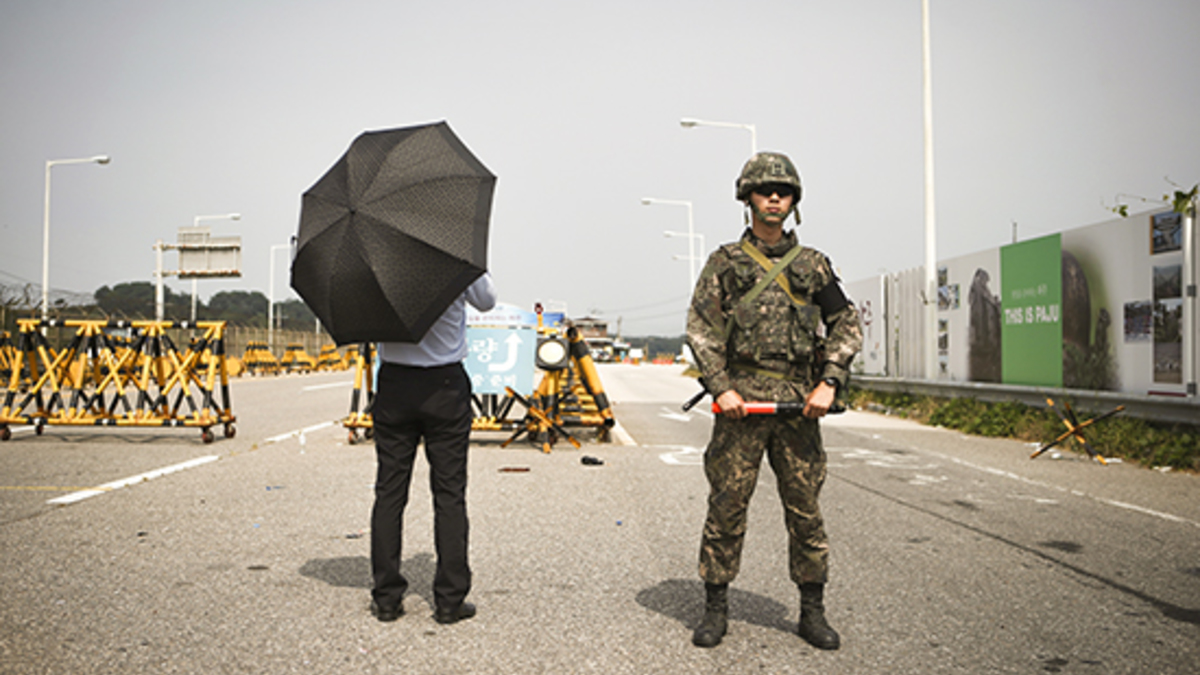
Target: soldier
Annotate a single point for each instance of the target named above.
(754, 326)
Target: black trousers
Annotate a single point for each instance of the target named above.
(412, 404)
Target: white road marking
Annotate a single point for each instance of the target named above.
(622, 436)
(859, 453)
(1142, 509)
(299, 432)
(314, 387)
(685, 456)
(885, 460)
(141, 477)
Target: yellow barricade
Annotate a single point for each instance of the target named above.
(258, 359)
(295, 358)
(96, 381)
(362, 399)
(330, 360)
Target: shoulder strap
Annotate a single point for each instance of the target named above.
(773, 274)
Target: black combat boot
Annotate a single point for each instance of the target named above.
(716, 616)
(813, 626)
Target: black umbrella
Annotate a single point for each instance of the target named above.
(393, 233)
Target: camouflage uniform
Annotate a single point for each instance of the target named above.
(773, 353)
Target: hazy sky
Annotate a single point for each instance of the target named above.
(1044, 111)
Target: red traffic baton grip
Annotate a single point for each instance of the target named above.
(763, 408)
(787, 408)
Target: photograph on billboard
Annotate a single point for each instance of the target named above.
(984, 356)
(1166, 232)
(1168, 324)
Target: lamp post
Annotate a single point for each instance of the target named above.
(98, 159)
(689, 123)
(691, 235)
(271, 298)
(699, 249)
(1189, 300)
(930, 342)
(196, 223)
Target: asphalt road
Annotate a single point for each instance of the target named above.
(950, 554)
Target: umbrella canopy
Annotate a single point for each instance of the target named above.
(393, 233)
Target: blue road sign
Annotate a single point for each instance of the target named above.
(499, 358)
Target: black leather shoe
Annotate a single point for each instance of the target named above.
(465, 610)
(386, 614)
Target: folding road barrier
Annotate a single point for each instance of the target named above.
(330, 360)
(258, 359)
(569, 396)
(96, 381)
(296, 359)
(359, 421)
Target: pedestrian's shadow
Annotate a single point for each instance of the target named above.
(683, 600)
(355, 572)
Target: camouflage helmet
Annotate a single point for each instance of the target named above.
(767, 167)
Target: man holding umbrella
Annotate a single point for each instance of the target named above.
(392, 246)
(424, 393)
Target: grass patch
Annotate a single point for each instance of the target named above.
(1151, 444)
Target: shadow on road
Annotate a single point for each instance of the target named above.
(355, 572)
(683, 600)
(150, 436)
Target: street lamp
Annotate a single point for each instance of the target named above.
(930, 342)
(691, 234)
(98, 159)
(699, 249)
(271, 299)
(689, 123)
(196, 223)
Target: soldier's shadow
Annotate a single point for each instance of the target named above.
(355, 572)
(683, 600)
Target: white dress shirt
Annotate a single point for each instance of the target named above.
(446, 341)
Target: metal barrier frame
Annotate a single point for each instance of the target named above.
(69, 388)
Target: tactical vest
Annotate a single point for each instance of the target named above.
(774, 324)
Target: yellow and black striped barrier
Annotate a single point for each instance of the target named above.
(296, 359)
(362, 399)
(98, 381)
(258, 359)
(330, 360)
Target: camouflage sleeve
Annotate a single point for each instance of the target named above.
(843, 329)
(706, 321)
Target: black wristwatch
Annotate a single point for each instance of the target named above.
(832, 381)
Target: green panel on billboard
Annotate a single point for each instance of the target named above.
(1031, 312)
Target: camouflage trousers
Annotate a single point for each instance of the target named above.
(731, 462)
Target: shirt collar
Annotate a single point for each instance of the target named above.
(786, 243)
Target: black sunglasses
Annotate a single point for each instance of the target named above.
(781, 189)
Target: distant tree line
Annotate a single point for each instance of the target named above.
(657, 345)
(134, 301)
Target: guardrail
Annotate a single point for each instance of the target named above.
(1154, 408)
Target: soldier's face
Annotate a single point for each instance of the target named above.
(772, 208)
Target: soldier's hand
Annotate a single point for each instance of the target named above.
(732, 405)
(819, 401)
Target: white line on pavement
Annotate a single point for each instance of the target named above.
(118, 484)
(1050, 486)
(299, 432)
(314, 387)
(621, 435)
